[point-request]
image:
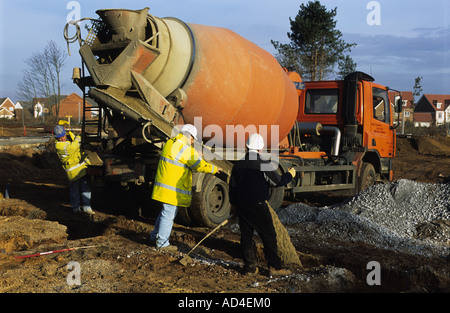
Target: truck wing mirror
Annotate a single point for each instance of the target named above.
(398, 107)
(398, 104)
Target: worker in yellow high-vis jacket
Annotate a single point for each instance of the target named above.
(75, 163)
(173, 182)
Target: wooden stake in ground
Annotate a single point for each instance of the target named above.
(286, 250)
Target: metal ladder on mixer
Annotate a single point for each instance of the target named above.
(91, 126)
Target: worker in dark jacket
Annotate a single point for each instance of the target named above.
(250, 183)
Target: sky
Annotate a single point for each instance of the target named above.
(397, 40)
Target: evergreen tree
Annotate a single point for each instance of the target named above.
(315, 44)
(346, 66)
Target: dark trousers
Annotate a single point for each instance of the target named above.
(256, 216)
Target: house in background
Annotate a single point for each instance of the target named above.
(436, 105)
(423, 119)
(407, 107)
(72, 106)
(7, 108)
(19, 111)
(10, 110)
(38, 109)
(18, 106)
(4, 113)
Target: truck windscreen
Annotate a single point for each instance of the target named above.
(322, 101)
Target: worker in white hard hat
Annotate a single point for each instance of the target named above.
(249, 192)
(173, 182)
(75, 163)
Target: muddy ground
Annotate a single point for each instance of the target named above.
(118, 257)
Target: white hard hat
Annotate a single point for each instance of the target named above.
(255, 142)
(188, 128)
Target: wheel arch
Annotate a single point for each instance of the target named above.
(373, 157)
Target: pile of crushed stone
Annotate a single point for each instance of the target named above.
(384, 215)
(402, 205)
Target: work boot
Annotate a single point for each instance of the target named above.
(280, 272)
(251, 271)
(168, 248)
(88, 211)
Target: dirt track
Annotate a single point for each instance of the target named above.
(123, 261)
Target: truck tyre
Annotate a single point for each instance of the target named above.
(368, 176)
(184, 216)
(211, 206)
(276, 197)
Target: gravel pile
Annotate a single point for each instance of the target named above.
(402, 205)
(385, 215)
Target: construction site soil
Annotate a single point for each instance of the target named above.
(117, 257)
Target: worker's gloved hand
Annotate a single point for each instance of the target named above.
(291, 171)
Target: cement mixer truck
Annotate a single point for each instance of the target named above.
(150, 75)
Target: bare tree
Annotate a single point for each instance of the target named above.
(41, 78)
(55, 59)
(27, 88)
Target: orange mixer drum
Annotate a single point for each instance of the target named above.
(234, 82)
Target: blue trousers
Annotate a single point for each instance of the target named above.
(80, 193)
(163, 225)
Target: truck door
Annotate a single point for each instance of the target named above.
(380, 136)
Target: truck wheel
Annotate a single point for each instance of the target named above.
(184, 216)
(211, 206)
(276, 197)
(368, 176)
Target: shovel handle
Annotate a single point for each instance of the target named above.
(211, 232)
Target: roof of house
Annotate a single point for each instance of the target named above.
(4, 101)
(407, 95)
(4, 111)
(72, 97)
(42, 101)
(424, 117)
(434, 99)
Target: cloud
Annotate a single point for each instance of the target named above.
(425, 53)
(396, 60)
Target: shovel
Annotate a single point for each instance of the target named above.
(186, 259)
